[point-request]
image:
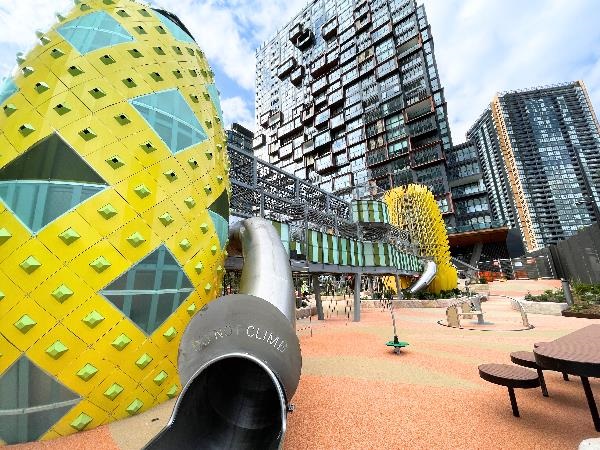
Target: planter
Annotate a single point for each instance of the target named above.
(581, 315)
(437, 303)
(547, 308)
(306, 311)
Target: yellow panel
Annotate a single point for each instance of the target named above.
(99, 417)
(12, 296)
(17, 118)
(68, 376)
(141, 86)
(81, 265)
(92, 332)
(7, 151)
(140, 191)
(29, 310)
(52, 58)
(114, 173)
(141, 395)
(49, 435)
(50, 236)
(147, 348)
(152, 386)
(108, 344)
(109, 115)
(148, 157)
(49, 109)
(9, 354)
(40, 86)
(89, 72)
(95, 101)
(158, 216)
(20, 234)
(72, 134)
(11, 266)
(135, 240)
(184, 244)
(59, 332)
(126, 386)
(105, 225)
(170, 176)
(39, 129)
(62, 284)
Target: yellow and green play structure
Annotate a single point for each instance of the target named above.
(413, 208)
(114, 208)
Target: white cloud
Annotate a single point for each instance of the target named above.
(481, 47)
(236, 109)
(485, 47)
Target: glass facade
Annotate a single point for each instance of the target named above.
(540, 154)
(46, 181)
(151, 290)
(349, 91)
(94, 31)
(31, 401)
(172, 118)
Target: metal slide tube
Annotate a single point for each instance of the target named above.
(426, 277)
(239, 357)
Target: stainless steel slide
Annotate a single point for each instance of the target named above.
(239, 358)
(426, 277)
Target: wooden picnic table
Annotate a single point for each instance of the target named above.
(578, 354)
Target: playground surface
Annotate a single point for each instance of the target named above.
(356, 393)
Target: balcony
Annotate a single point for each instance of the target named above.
(335, 98)
(319, 86)
(264, 118)
(419, 109)
(259, 140)
(305, 39)
(322, 139)
(307, 114)
(336, 121)
(275, 119)
(324, 164)
(363, 22)
(408, 47)
(330, 29)
(296, 31)
(376, 157)
(422, 126)
(322, 118)
(308, 147)
(285, 151)
(297, 75)
(286, 68)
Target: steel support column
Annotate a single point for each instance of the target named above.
(317, 289)
(398, 287)
(357, 297)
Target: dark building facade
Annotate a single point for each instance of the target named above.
(348, 97)
(239, 138)
(541, 153)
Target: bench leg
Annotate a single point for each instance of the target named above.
(565, 376)
(513, 402)
(480, 320)
(589, 395)
(542, 383)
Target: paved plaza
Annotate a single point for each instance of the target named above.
(355, 393)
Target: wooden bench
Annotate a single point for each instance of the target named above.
(527, 359)
(512, 377)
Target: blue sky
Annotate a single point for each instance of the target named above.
(481, 46)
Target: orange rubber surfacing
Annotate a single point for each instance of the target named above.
(355, 393)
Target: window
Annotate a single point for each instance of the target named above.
(171, 118)
(46, 181)
(31, 401)
(151, 290)
(93, 31)
(7, 89)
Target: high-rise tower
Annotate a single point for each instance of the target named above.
(543, 150)
(348, 96)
